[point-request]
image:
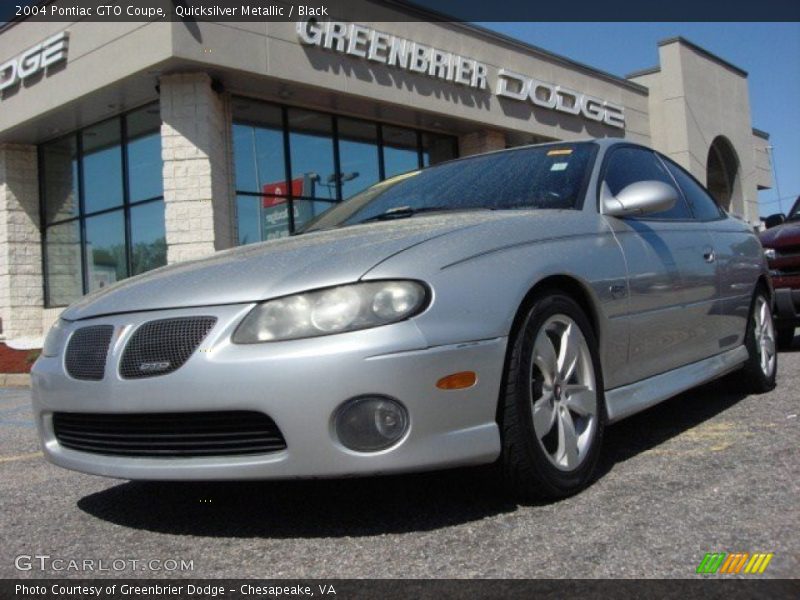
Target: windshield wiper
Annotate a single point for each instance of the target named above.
(403, 212)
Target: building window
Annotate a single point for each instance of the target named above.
(102, 205)
(294, 164)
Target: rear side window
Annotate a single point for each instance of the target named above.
(703, 205)
(630, 165)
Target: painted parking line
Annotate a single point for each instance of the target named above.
(17, 423)
(15, 409)
(15, 416)
(15, 457)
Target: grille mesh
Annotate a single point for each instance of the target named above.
(87, 350)
(161, 347)
(169, 434)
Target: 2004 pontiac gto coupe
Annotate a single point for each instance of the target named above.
(498, 308)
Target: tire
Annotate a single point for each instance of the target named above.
(785, 337)
(537, 462)
(760, 371)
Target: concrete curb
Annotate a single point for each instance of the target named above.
(15, 380)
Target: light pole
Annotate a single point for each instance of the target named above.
(771, 154)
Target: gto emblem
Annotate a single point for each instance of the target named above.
(151, 367)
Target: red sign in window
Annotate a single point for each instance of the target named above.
(275, 194)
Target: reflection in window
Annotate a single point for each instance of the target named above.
(437, 148)
(258, 146)
(311, 143)
(315, 140)
(248, 214)
(304, 211)
(106, 261)
(144, 154)
(148, 237)
(358, 155)
(400, 151)
(102, 166)
(63, 258)
(98, 203)
(60, 177)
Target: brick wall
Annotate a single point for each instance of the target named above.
(21, 294)
(198, 188)
(481, 141)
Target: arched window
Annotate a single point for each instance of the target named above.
(722, 172)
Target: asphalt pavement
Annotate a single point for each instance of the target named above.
(712, 470)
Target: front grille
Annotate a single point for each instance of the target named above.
(788, 251)
(185, 435)
(161, 347)
(87, 350)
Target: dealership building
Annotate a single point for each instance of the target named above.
(127, 146)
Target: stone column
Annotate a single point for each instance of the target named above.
(198, 184)
(21, 288)
(481, 141)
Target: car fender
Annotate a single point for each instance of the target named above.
(478, 292)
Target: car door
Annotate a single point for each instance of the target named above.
(671, 273)
(737, 258)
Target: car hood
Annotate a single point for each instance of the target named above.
(271, 269)
(781, 236)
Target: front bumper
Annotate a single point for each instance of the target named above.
(299, 384)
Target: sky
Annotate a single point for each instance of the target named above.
(769, 52)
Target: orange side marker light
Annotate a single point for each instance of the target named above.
(458, 381)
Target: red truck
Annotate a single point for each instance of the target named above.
(781, 243)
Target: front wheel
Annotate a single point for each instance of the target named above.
(553, 407)
(760, 370)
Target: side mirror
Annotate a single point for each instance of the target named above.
(640, 198)
(774, 220)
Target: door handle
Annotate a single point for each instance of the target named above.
(709, 256)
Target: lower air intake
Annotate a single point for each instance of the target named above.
(186, 435)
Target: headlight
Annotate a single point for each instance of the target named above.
(332, 310)
(770, 253)
(54, 342)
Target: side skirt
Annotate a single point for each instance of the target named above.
(627, 400)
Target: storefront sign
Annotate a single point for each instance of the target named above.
(275, 212)
(363, 42)
(34, 60)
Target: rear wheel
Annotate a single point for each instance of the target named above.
(760, 370)
(553, 408)
(785, 337)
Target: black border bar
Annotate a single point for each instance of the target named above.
(390, 589)
(397, 10)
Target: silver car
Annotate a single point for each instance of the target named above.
(501, 308)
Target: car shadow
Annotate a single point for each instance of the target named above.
(304, 509)
(376, 505)
(666, 420)
(795, 346)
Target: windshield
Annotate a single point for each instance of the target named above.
(549, 176)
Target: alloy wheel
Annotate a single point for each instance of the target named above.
(765, 335)
(563, 393)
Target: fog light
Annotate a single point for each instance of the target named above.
(370, 423)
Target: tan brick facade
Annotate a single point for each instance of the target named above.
(481, 141)
(21, 298)
(195, 137)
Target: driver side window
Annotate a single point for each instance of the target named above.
(629, 165)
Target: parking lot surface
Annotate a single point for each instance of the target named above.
(713, 470)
